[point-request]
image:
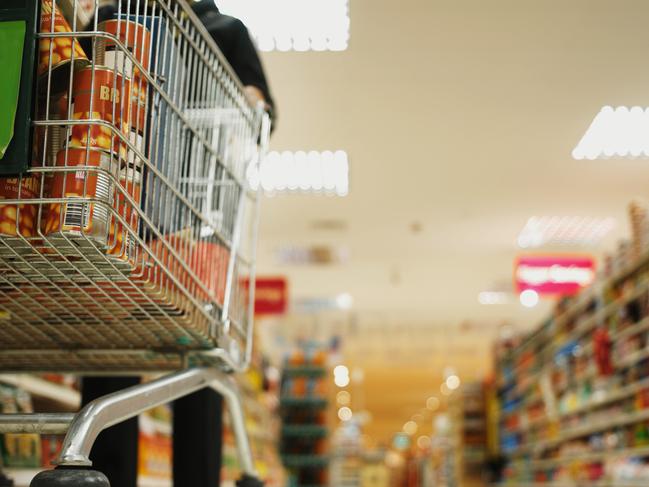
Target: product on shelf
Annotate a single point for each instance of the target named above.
(18, 450)
(574, 393)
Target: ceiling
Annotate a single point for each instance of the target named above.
(459, 118)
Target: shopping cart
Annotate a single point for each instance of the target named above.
(127, 246)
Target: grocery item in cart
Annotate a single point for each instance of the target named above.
(121, 244)
(98, 94)
(137, 39)
(19, 219)
(78, 217)
(57, 54)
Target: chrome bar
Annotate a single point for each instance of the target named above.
(37, 423)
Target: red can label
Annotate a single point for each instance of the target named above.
(62, 47)
(120, 243)
(19, 219)
(80, 216)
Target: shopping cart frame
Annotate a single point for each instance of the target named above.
(81, 429)
(222, 352)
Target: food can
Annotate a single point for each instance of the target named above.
(99, 94)
(19, 219)
(135, 36)
(137, 39)
(120, 242)
(64, 50)
(81, 218)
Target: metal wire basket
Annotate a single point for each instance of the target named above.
(128, 245)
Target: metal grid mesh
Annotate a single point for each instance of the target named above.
(130, 241)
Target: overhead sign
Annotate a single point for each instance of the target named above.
(271, 295)
(554, 274)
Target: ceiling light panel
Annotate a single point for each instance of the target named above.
(564, 231)
(492, 297)
(315, 172)
(293, 25)
(616, 132)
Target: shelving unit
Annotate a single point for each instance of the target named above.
(574, 393)
(473, 439)
(304, 432)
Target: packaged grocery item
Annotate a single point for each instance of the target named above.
(78, 218)
(137, 39)
(56, 55)
(100, 95)
(50, 448)
(19, 219)
(120, 242)
(18, 450)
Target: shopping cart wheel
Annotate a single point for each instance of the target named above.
(247, 481)
(70, 477)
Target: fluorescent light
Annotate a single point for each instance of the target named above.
(432, 403)
(410, 428)
(452, 382)
(293, 25)
(341, 370)
(492, 297)
(564, 230)
(318, 172)
(616, 132)
(345, 414)
(424, 442)
(529, 298)
(341, 380)
(345, 301)
(343, 398)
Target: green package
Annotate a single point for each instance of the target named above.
(12, 38)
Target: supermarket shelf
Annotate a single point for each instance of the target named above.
(313, 402)
(154, 482)
(638, 452)
(314, 461)
(63, 395)
(586, 296)
(304, 430)
(606, 483)
(577, 432)
(305, 371)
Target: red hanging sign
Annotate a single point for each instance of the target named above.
(554, 274)
(271, 295)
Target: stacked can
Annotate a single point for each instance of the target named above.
(19, 219)
(121, 243)
(87, 178)
(58, 56)
(92, 150)
(131, 63)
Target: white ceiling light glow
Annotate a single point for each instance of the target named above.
(317, 172)
(492, 297)
(529, 298)
(566, 230)
(293, 25)
(616, 132)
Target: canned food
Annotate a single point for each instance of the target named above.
(99, 94)
(120, 243)
(64, 50)
(19, 219)
(76, 218)
(137, 40)
(49, 139)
